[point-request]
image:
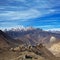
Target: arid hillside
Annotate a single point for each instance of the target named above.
(38, 52)
(55, 49)
(6, 41)
(12, 49)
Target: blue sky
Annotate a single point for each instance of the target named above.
(43, 14)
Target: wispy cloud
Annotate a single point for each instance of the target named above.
(15, 15)
(27, 12)
(24, 15)
(49, 27)
(45, 26)
(26, 9)
(53, 29)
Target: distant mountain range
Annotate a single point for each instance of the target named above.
(33, 36)
(28, 36)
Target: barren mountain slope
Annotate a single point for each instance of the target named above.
(55, 49)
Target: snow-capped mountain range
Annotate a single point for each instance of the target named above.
(20, 28)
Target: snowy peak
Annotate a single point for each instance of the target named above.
(21, 28)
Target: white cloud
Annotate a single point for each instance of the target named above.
(54, 29)
(23, 15)
(49, 28)
(35, 8)
(45, 26)
(13, 15)
(17, 0)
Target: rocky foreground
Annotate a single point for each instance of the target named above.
(38, 52)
